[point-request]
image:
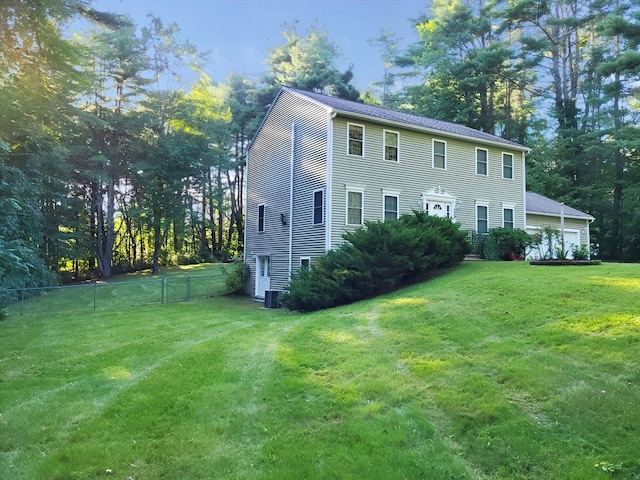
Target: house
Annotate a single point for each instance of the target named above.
(544, 212)
(320, 166)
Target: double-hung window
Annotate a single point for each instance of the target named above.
(318, 207)
(390, 206)
(507, 166)
(391, 144)
(439, 154)
(482, 219)
(507, 218)
(356, 139)
(261, 210)
(355, 207)
(482, 162)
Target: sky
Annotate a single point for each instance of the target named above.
(240, 33)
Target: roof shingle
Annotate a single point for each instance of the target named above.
(537, 203)
(348, 106)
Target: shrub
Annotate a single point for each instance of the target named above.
(508, 243)
(377, 259)
(580, 252)
(236, 275)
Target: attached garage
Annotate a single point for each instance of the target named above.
(543, 212)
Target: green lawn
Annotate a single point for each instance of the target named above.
(494, 370)
(172, 284)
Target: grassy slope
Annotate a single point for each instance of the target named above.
(495, 370)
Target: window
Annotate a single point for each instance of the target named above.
(391, 145)
(261, 218)
(354, 208)
(356, 139)
(390, 207)
(507, 218)
(482, 159)
(439, 154)
(305, 262)
(318, 207)
(482, 219)
(507, 165)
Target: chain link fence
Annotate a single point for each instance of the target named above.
(103, 295)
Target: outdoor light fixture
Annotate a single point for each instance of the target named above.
(284, 219)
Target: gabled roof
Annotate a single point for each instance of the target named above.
(541, 205)
(371, 112)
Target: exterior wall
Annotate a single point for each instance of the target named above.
(536, 222)
(269, 175)
(414, 174)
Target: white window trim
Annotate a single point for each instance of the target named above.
(349, 124)
(305, 258)
(487, 163)
(433, 153)
(353, 189)
(384, 145)
(313, 206)
(389, 193)
(513, 165)
(482, 204)
(264, 218)
(512, 207)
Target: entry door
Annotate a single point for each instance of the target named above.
(263, 281)
(440, 209)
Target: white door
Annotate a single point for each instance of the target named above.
(440, 209)
(263, 279)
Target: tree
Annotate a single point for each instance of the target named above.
(468, 70)
(308, 63)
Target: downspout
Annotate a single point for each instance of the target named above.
(329, 181)
(524, 192)
(244, 252)
(293, 152)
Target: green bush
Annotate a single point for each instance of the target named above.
(377, 259)
(508, 244)
(236, 275)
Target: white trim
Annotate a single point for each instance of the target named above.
(513, 213)
(513, 165)
(433, 153)
(384, 145)
(349, 124)
(291, 177)
(305, 258)
(329, 181)
(486, 162)
(389, 193)
(524, 186)
(313, 211)
(264, 218)
(481, 204)
(346, 204)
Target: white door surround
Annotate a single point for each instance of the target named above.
(263, 274)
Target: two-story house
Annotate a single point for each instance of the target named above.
(320, 166)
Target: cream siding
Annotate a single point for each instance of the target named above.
(413, 174)
(536, 222)
(269, 182)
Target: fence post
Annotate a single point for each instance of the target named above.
(162, 287)
(188, 288)
(95, 288)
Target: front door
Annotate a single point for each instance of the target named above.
(440, 209)
(263, 280)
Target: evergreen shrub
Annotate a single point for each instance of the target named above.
(508, 243)
(377, 259)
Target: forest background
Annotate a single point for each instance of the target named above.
(105, 168)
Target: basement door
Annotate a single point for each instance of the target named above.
(263, 280)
